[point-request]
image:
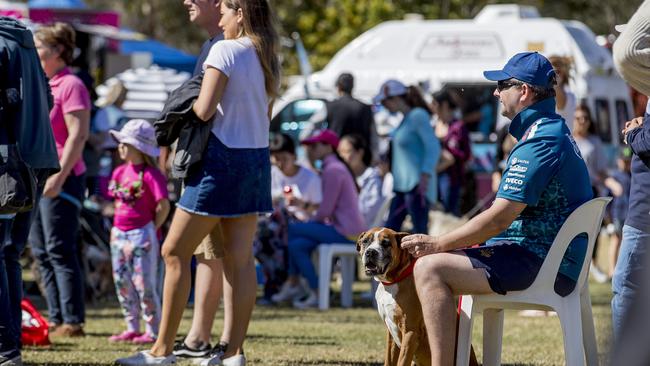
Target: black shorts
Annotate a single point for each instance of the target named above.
(511, 267)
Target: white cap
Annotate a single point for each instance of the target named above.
(390, 88)
(140, 134)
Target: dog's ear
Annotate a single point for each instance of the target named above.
(363, 234)
(399, 236)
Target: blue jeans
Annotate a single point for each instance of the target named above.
(304, 237)
(413, 204)
(54, 237)
(449, 194)
(13, 235)
(628, 277)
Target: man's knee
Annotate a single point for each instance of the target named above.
(428, 270)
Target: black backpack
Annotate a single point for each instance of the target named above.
(17, 181)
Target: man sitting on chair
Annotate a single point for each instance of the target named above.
(544, 181)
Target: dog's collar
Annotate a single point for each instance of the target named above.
(405, 273)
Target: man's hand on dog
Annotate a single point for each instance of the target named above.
(420, 245)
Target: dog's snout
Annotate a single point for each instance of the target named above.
(372, 254)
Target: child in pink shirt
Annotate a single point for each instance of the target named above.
(141, 207)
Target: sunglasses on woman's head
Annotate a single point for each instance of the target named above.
(507, 84)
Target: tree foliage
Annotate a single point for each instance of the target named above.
(327, 25)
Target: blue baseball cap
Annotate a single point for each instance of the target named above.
(529, 67)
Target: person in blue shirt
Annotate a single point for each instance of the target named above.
(544, 180)
(415, 151)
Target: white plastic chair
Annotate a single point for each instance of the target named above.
(574, 310)
(347, 253)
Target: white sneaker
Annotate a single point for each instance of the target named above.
(236, 360)
(287, 293)
(146, 358)
(210, 361)
(310, 302)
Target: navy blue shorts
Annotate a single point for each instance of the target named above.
(229, 182)
(511, 267)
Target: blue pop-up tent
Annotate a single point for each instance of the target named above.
(57, 4)
(163, 55)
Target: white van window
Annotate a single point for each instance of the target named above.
(295, 116)
(603, 117)
(459, 47)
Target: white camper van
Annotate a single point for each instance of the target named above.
(453, 54)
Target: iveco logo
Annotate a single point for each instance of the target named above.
(514, 181)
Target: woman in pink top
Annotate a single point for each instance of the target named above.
(54, 233)
(337, 220)
(141, 207)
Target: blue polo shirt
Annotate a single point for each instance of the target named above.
(415, 150)
(545, 171)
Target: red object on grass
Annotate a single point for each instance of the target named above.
(35, 329)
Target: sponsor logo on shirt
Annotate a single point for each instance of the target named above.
(514, 181)
(507, 187)
(518, 168)
(518, 160)
(518, 175)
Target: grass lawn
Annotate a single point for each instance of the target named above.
(284, 336)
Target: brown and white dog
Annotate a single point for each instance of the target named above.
(397, 301)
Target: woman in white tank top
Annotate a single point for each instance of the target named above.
(233, 183)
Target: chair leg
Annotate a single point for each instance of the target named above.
(572, 331)
(588, 330)
(492, 336)
(324, 277)
(465, 323)
(347, 274)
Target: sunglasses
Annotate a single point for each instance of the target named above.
(505, 84)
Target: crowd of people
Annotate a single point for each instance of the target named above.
(251, 197)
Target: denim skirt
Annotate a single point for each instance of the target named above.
(229, 182)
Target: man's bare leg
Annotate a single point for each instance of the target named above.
(207, 294)
(438, 278)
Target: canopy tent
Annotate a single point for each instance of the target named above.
(147, 89)
(162, 54)
(58, 4)
(106, 24)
